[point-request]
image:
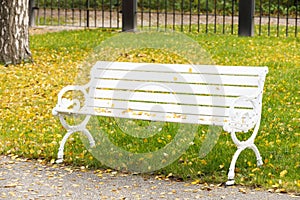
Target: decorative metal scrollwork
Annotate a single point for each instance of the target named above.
(66, 104)
(242, 120)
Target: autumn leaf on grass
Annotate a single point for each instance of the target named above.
(283, 173)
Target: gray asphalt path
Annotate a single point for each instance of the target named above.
(30, 179)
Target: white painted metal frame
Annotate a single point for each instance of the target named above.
(230, 97)
(64, 104)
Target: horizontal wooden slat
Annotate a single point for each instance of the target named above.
(140, 107)
(167, 98)
(172, 87)
(171, 77)
(119, 113)
(182, 68)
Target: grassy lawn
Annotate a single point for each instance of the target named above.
(29, 92)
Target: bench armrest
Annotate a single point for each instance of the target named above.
(243, 120)
(67, 104)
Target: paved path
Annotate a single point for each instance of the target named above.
(27, 179)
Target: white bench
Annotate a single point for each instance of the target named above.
(227, 96)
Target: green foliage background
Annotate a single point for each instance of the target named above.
(264, 7)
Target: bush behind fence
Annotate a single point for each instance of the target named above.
(264, 7)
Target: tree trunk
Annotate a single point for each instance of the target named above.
(14, 35)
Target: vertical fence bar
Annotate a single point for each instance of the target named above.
(215, 15)
(224, 16)
(296, 20)
(206, 26)
(38, 12)
(118, 14)
(66, 11)
(166, 15)
(174, 16)
(58, 12)
(129, 15)
(198, 16)
(246, 18)
(31, 13)
(260, 16)
(79, 4)
(142, 13)
(149, 1)
(95, 13)
(44, 12)
(287, 19)
(278, 17)
(87, 8)
(190, 15)
(102, 9)
(110, 13)
(269, 18)
(73, 12)
(157, 13)
(182, 14)
(232, 16)
(51, 12)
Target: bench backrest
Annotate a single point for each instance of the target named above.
(172, 92)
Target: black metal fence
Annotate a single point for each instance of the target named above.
(271, 17)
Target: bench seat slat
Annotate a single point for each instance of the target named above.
(177, 88)
(182, 68)
(140, 107)
(152, 116)
(191, 99)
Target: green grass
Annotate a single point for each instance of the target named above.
(53, 21)
(29, 92)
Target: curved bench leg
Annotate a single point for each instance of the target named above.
(235, 157)
(258, 157)
(60, 154)
(90, 137)
(232, 166)
(242, 146)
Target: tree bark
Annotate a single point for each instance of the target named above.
(14, 35)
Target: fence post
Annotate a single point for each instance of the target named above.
(246, 17)
(32, 8)
(87, 13)
(129, 18)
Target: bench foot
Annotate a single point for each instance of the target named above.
(259, 162)
(90, 137)
(92, 144)
(60, 154)
(230, 182)
(232, 165)
(59, 161)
